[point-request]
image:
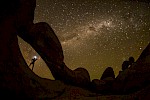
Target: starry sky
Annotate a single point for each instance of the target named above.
(94, 34)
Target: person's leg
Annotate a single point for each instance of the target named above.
(32, 66)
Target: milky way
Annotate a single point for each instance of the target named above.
(94, 34)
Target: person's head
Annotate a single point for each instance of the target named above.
(131, 60)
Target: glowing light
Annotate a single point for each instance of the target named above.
(35, 57)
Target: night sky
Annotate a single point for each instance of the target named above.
(94, 34)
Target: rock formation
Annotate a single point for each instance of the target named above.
(16, 77)
(43, 39)
(136, 77)
(104, 85)
(108, 73)
(99, 86)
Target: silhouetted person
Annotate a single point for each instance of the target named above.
(33, 61)
(131, 60)
(125, 65)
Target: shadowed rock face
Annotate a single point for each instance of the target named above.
(144, 57)
(16, 79)
(43, 39)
